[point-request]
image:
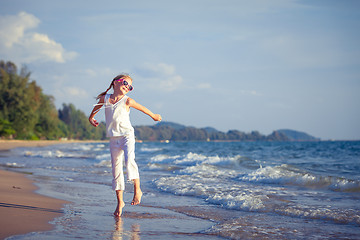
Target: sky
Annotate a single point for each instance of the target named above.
(254, 65)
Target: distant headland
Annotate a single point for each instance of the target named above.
(170, 131)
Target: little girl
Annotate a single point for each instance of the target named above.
(121, 134)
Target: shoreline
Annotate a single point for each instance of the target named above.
(24, 217)
(6, 145)
(22, 209)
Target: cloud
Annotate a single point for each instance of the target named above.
(161, 76)
(96, 72)
(250, 93)
(203, 86)
(74, 91)
(70, 94)
(12, 28)
(20, 43)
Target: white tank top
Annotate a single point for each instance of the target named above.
(117, 118)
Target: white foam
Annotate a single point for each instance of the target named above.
(100, 146)
(326, 213)
(195, 158)
(15, 165)
(213, 190)
(148, 149)
(55, 154)
(205, 170)
(163, 158)
(285, 174)
(103, 156)
(154, 166)
(104, 163)
(159, 166)
(251, 198)
(190, 158)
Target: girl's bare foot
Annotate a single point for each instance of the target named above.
(118, 210)
(137, 197)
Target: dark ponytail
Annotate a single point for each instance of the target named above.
(112, 84)
(104, 93)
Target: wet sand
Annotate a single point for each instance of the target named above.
(21, 209)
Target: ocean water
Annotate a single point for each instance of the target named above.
(214, 190)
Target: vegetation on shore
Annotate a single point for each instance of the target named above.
(27, 113)
(175, 132)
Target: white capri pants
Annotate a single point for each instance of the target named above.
(122, 150)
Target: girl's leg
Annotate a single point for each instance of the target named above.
(120, 203)
(137, 192)
(132, 168)
(117, 158)
(118, 184)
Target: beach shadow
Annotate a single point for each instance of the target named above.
(120, 233)
(27, 207)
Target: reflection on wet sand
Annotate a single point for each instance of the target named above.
(119, 232)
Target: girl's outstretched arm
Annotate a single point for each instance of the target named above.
(132, 103)
(95, 110)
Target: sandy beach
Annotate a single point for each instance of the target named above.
(21, 209)
(25, 210)
(10, 144)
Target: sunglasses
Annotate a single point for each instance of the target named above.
(125, 83)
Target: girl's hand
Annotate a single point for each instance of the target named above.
(93, 122)
(157, 117)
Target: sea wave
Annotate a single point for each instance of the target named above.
(150, 149)
(104, 163)
(193, 159)
(248, 197)
(214, 190)
(55, 154)
(164, 158)
(103, 156)
(257, 190)
(286, 174)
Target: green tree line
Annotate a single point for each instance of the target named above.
(27, 113)
(175, 132)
